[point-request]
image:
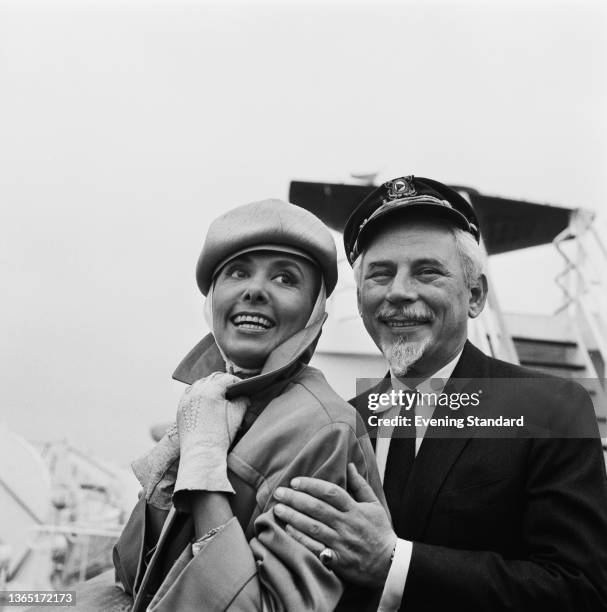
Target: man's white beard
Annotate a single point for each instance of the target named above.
(402, 354)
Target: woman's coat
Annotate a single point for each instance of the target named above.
(296, 426)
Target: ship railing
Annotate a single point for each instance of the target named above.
(79, 538)
(583, 280)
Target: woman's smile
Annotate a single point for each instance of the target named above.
(252, 322)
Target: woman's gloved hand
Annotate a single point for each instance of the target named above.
(207, 424)
(157, 469)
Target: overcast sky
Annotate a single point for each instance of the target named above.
(126, 127)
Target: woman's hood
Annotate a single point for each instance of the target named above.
(205, 358)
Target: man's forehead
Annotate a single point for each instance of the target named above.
(412, 258)
(420, 239)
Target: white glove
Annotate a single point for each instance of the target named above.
(157, 469)
(207, 424)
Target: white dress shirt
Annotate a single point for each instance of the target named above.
(394, 587)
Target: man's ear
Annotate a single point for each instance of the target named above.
(478, 297)
(360, 310)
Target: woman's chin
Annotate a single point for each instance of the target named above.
(249, 358)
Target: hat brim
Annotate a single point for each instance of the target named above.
(273, 248)
(436, 211)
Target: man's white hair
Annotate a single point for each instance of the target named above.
(470, 254)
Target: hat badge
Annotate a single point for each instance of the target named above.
(401, 188)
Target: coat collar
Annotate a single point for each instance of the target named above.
(205, 358)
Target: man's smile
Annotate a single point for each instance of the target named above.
(400, 322)
(397, 324)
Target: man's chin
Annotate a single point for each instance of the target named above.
(400, 371)
(402, 354)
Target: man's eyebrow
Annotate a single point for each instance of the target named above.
(380, 263)
(424, 261)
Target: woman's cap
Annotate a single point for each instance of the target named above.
(407, 194)
(268, 224)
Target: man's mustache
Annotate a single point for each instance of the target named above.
(403, 313)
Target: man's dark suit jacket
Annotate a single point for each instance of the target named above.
(507, 524)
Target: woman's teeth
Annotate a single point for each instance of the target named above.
(252, 322)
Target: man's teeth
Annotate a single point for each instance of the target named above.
(252, 322)
(409, 323)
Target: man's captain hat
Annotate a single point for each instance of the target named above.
(407, 194)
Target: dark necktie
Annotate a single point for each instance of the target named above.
(399, 463)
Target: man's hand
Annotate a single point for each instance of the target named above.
(321, 515)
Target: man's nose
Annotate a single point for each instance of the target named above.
(402, 289)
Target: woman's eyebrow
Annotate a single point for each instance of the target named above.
(282, 263)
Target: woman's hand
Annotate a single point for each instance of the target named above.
(156, 470)
(207, 423)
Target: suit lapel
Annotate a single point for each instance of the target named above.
(437, 455)
(361, 403)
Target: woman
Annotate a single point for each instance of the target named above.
(203, 535)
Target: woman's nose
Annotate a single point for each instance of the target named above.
(255, 291)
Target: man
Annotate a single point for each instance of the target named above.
(480, 521)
